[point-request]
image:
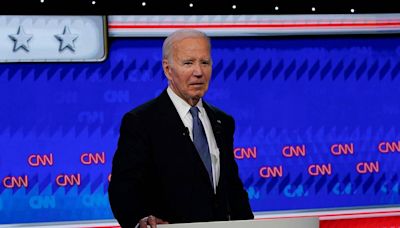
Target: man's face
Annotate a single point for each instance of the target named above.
(190, 70)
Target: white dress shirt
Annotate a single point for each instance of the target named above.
(183, 110)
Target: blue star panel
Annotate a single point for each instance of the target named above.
(317, 123)
(52, 38)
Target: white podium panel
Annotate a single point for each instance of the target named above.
(270, 223)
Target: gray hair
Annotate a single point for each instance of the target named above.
(179, 35)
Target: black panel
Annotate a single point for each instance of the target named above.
(200, 7)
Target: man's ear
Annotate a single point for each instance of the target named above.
(167, 68)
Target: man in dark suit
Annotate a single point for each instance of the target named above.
(174, 161)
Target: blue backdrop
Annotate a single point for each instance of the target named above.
(317, 123)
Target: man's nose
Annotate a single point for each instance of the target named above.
(197, 71)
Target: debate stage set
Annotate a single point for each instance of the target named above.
(315, 96)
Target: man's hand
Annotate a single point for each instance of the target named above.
(152, 221)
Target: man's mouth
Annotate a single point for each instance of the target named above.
(197, 84)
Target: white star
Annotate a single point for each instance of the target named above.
(66, 40)
(21, 39)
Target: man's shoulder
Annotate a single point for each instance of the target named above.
(219, 113)
(144, 109)
(143, 115)
(152, 106)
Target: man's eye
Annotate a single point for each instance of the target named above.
(206, 62)
(187, 63)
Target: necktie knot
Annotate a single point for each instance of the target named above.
(194, 111)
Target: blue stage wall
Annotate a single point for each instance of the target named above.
(317, 123)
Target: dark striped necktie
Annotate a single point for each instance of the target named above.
(200, 141)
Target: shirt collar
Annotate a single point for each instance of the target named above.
(181, 105)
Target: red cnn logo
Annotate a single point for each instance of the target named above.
(64, 180)
(320, 170)
(290, 151)
(11, 181)
(367, 167)
(386, 147)
(241, 152)
(93, 158)
(274, 171)
(36, 160)
(339, 149)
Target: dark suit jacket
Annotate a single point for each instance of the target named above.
(157, 170)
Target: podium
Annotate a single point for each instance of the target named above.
(264, 223)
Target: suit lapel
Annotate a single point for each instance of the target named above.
(216, 124)
(169, 114)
